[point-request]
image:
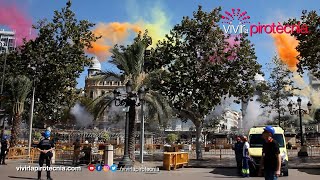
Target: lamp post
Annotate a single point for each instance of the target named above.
(141, 93)
(31, 113)
(129, 102)
(2, 81)
(300, 112)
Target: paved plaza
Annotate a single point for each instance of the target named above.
(9, 172)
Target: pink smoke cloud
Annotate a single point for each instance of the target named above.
(232, 42)
(17, 20)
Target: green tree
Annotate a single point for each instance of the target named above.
(200, 67)
(172, 138)
(279, 88)
(54, 60)
(20, 87)
(130, 60)
(309, 44)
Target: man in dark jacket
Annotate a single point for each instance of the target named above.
(4, 149)
(271, 158)
(76, 152)
(45, 147)
(238, 150)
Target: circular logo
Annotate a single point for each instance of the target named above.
(106, 168)
(91, 167)
(113, 168)
(99, 167)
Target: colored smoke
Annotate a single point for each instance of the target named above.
(16, 20)
(232, 42)
(156, 22)
(286, 48)
(112, 33)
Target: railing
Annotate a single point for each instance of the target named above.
(154, 153)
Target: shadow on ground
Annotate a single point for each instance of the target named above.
(310, 171)
(229, 172)
(15, 177)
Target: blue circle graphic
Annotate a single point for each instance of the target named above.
(98, 167)
(113, 168)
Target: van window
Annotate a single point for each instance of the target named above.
(256, 140)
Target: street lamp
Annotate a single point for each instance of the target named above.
(141, 93)
(2, 80)
(300, 112)
(31, 113)
(129, 102)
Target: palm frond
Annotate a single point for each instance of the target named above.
(158, 102)
(99, 106)
(104, 75)
(131, 60)
(20, 87)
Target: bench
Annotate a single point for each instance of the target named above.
(175, 159)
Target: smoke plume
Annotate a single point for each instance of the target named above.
(253, 115)
(16, 20)
(120, 32)
(111, 34)
(286, 48)
(83, 117)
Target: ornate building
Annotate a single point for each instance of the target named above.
(7, 41)
(95, 86)
(314, 82)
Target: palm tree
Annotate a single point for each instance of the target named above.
(19, 88)
(130, 61)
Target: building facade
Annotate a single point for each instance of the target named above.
(314, 82)
(95, 86)
(7, 41)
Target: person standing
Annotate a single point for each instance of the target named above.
(238, 150)
(45, 147)
(271, 158)
(4, 149)
(246, 157)
(76, 152)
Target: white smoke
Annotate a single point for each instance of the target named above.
(218, 110)
(254, 115)
(83, 117)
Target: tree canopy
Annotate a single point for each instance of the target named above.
(201, 66)
(279, 87)
(309, 43)
(54, 60)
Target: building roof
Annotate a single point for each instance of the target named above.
(258, 77)
(96, 65)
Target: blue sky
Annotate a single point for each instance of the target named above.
(107, 11)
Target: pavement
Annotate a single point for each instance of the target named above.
(229, 162)
(9, 172)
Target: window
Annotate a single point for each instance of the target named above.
(103, 92)
(91, 94)
(256, 140)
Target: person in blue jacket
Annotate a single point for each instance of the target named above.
(238, 150)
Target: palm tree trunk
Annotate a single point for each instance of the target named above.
(198, 143)
(15, 131)
(132, 131)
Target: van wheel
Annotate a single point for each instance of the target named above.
(286, 173)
